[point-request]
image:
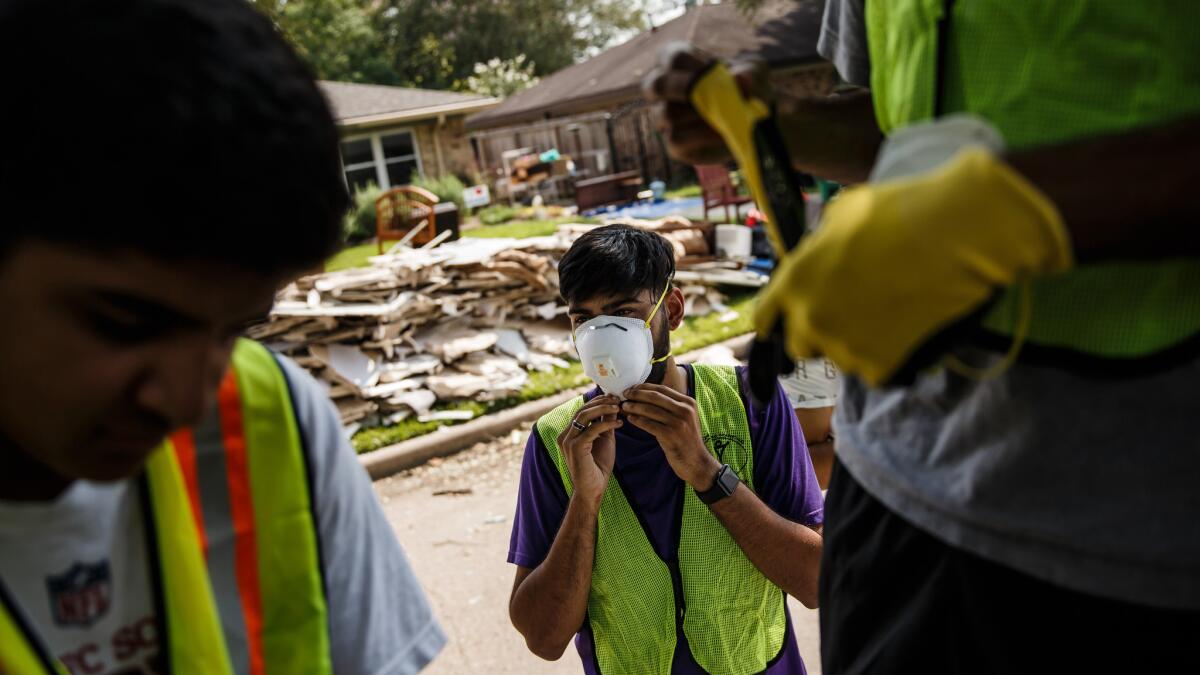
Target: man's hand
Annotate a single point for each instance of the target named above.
(788, 553)
(910, 257)
(590, 453)
(672, 418)
(689, 138)
(549, 602)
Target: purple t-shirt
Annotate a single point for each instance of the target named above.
(783, 479)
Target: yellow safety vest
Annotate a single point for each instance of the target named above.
(732, 615)
(240, 474)
(1045, 73)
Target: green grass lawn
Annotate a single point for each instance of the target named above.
(683, 192)
(356, 256)
(352, 256)
(520, 229)
(696, 332)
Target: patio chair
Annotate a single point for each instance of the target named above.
(401, 210)
(717, 190)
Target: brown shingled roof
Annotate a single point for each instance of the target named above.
(357, 101)
(783, 32)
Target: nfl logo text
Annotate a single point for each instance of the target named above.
(81, 595)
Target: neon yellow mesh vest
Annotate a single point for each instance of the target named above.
(241, 473)
(732, 615)
(1045, 73)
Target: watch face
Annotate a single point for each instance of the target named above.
(728, 480)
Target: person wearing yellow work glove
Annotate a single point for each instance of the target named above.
(911, 257)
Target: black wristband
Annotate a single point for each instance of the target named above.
(723, 486)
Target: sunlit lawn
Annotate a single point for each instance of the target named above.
(683, 192)
(356, 256)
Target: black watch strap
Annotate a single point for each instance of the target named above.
(725, 483)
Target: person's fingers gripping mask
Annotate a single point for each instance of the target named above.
(896, 262)
(617, 352)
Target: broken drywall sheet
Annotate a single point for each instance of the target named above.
(464, 320)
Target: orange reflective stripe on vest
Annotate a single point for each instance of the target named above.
(251, 487)
(241, 509)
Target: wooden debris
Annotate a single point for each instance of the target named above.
(465, 320)
(447, 415)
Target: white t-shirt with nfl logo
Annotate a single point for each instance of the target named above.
(81, 580)
(78, 566)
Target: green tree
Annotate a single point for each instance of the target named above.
(337, 38)
(436, 43)
(501, 77)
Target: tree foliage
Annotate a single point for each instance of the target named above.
(436, 44)
(338, 38)
(501, 77)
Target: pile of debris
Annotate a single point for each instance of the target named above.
(466, 320)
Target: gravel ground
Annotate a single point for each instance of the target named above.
(454, 516)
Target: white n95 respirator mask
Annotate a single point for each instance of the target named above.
(617, 352)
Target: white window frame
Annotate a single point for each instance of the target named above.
(377, 159)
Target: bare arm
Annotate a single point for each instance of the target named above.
(833, 137)
(549, 603)
(1126, 196)
(787, 553)
(817, 426)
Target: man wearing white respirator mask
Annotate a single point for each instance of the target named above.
(663, 516)
(619, 352)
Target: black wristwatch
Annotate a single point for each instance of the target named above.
(725, 483)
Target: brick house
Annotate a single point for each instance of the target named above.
(594, 112)
(390, 135)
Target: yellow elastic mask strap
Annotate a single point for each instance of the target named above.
(1020, 334)
(658, 304)
(652, 313)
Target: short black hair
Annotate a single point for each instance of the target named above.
(187, 129)
(615, 259)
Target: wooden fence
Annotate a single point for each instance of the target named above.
(600, 143)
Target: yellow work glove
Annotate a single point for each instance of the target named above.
(895, 263)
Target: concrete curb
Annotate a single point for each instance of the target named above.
(450, 440)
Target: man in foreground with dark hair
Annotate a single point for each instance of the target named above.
(662, 516)
(174, 498)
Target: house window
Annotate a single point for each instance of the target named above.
(386, 159)
(400, 157)
(359, 162)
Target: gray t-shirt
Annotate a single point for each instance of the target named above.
(379, 619)
(843, 41)
(1086, 482)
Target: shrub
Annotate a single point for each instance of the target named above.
(497, 213)
(448, 188)
(359, 224)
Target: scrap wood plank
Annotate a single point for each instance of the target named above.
(287, 308)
